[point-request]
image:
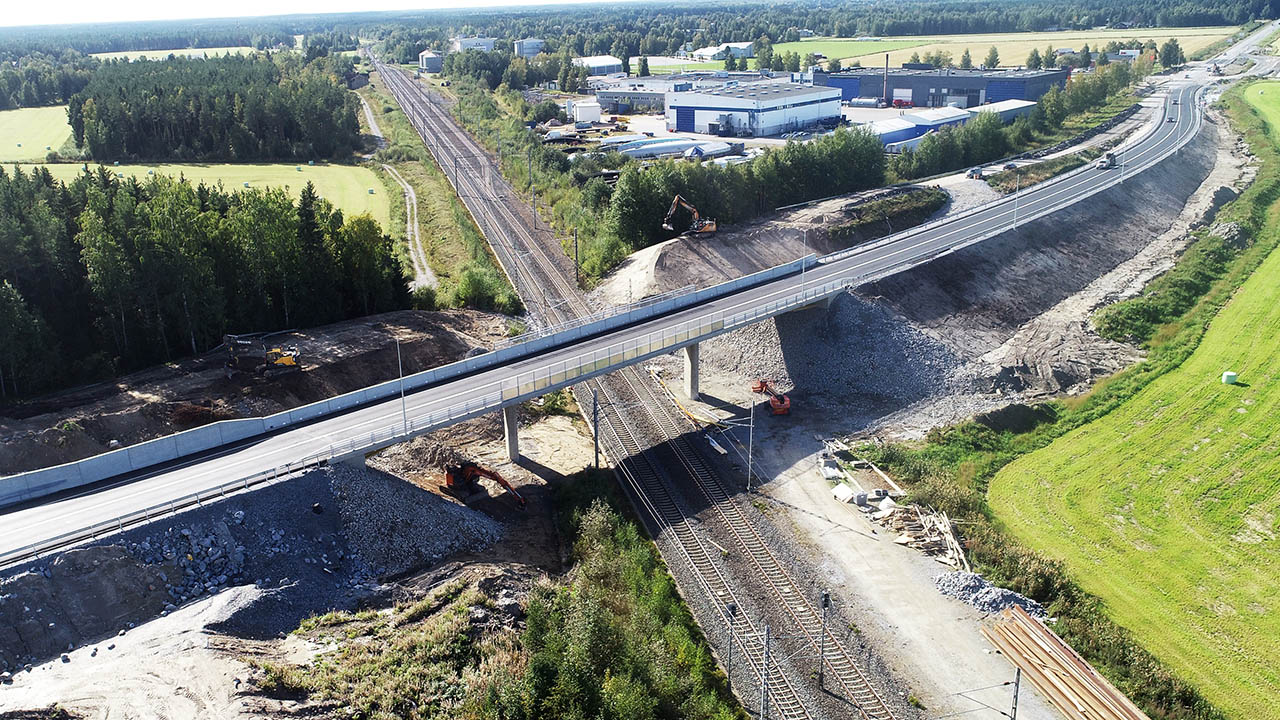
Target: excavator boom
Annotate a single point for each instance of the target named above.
(461, 478)
(699, 225)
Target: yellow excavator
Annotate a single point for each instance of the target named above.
(699, 226)
(249, 353)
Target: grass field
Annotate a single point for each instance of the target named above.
(346, 186)
(1013, 47)
(36, 130)
(1168, 508)
(162, 54)
(659, 65)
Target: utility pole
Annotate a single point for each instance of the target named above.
(404, 412)
(533, 203)
(1017, 681)
(805, 235)
(576, 279)
(595, 423)
(732, 609)
(822, 639)
(764, 678)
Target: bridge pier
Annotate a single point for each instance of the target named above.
(510, 428)
(690, 353)
(355, 460)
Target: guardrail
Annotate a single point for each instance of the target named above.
(134, 458)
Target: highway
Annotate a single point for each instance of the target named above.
(29, 524)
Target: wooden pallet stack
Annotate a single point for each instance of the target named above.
(1057, 671)
(926, 530)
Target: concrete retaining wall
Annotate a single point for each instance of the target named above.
(46, 481)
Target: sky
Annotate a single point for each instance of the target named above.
(61, 12)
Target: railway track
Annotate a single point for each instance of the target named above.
(637, 420)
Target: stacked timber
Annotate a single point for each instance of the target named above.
(1057, 671)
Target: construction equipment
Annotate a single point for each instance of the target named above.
(460, 481)
(699, 226)
(249, 353)
(780, 404)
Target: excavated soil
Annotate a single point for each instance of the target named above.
(158, 401)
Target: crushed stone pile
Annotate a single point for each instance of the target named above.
(972, 589)
(824, 356)
(395, 526)
(421, 454)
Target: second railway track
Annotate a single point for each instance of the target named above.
(637, 419)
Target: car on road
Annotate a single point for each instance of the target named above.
(974, 173)
(1010, 166)
(1169, 120)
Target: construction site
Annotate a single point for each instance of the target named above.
(821, 589)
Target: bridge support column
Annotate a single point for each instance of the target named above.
(510, 425)
(355, 460)
(690, 353)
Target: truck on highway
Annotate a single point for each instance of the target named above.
(1108, 160)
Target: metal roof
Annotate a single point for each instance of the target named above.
(592, 60)
(888, 125)
(770, 91)
(934, 116)
(1002, 106)
(948, 72)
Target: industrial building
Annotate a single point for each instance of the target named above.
(1006, 110)
(529, 47)
(599, 64)
(430, 62)
(724, 50)
(756, 110)
(937, 118)
(626, 95)
(583, 110)
(483, 44)
(939, 87)
(893, 130)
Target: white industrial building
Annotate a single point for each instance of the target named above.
(583, 110)
(1006, 110)
(430, 62)
(757, 110)
(724, 50)
(483, 44)
(938, 118)
(529, 47)
(599, 64)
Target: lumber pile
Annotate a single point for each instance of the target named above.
(1057, 671)
(924, 529)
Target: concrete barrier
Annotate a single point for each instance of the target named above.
(36, 483)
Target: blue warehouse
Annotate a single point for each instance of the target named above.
(933, 87)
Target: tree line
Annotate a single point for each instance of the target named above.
(625, 31)
(104, 275)
(230, 108)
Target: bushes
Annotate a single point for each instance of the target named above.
(616, 640)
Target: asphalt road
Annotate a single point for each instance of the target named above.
(30, 524)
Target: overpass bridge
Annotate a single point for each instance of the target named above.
(55, 506)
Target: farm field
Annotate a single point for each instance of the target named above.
(35, 129)
(1168, 508)
(659, 65)
(162, 54)
(346, 186)
(1013, 47)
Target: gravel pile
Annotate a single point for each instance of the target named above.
(421, 454)
(396, 526)
(822, 356)
(972, 589)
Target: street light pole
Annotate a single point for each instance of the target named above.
(751, 439)
(1017, 186)
(404, 412)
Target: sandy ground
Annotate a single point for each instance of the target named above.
(170, 667)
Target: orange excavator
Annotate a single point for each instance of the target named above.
(699, 226)
(779, 403)
(460, 481)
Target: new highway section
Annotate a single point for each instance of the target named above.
(30, 524)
